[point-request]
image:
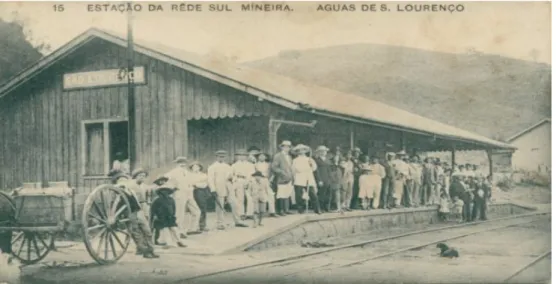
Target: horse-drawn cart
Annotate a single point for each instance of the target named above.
(32, 217)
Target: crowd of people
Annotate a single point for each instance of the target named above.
(255, 186)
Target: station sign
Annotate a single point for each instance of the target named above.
(103, 78)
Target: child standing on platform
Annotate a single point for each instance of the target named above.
(457, 209)
(258, 189)
(263, 166)
(444, 207)
(164, 213)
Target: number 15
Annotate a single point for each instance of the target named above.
(58, 8)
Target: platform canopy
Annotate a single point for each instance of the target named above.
(283, 91)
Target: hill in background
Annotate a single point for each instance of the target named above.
(492, 95)
(16, 51)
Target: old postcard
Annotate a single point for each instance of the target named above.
(275, 142)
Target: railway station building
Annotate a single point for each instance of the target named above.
(65, 117)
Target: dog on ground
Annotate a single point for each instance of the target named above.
(446, 251)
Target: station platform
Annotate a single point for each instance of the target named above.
(308, 227)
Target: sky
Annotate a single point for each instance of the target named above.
(514, 29)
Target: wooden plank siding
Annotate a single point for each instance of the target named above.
(41, 124)
(209, 135)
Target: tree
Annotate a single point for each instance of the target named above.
(16, 49)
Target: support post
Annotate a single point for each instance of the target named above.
(130, 94)
(403, 141)
(273, 127)
(351, 138)
(490, 164)
(453, 158)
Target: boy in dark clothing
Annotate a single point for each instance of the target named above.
(163, 212)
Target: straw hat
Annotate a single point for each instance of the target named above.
(257, 174)
(138, 171)
(180, 160)
(321, 148)
(300, 148)
(196, 163)
(286, 143)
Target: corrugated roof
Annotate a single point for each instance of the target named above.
(295, 94)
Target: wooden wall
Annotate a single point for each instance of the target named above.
(333, 132)
(40, 133)
(208, 136)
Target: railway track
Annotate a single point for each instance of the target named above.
(529, 265)
(352, 254)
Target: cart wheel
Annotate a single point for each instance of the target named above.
(7, 210)
(31, 247)
(7, 197)
(106, 224)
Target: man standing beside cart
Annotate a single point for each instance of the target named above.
(140, 229)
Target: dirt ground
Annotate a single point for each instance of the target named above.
(488, 257)
(524, 193)
(482, 259)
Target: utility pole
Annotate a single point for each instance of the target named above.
(130, 92)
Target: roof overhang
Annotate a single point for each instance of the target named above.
(271, 96)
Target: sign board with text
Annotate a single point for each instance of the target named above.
(103, 78)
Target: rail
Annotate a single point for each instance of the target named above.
(361, 244)
(519, 271)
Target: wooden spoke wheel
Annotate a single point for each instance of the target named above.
(7, 210)
(7, 219)
(106, 224)
(31, 247)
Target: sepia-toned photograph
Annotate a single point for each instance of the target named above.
(275, 142)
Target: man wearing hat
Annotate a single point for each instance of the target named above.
(242, 171)
(219, 175)
(140, 230)
(201, 191)
(416, 181)
(402, 173)
(356, 160)
(430, 179)
(142, 190)
(283, 174)
(179, 176)
(304, 179)
(440, 184)
(253, 152)
(348, 178)
(388, 181)
(324, 180)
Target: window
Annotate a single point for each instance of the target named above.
(102, 140)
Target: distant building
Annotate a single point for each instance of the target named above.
(533, 147)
